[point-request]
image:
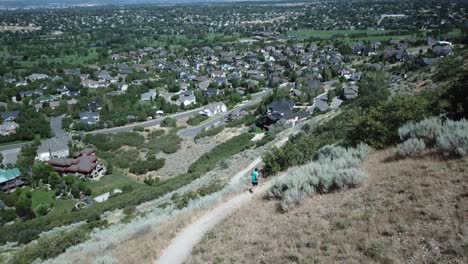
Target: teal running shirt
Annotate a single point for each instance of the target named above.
(254, 176)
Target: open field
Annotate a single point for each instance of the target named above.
(76, 59)
(361, 35)
(410, 211)
(347, 34)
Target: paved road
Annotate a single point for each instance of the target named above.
(217, 121)
(56, 126)
(255, 99)
(149, 123)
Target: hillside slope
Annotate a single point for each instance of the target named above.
(410, 211)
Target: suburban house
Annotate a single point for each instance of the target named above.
(83, 163)
(53, 148)
(8, 128)
(30, 93)
(54, 104)
(321, 102)
(280, 110)
(94, 106)
(75, 71)
(89, 118)
(9, 179)
(187, 98)
(10, 116)
(214, 108)
(37, 76)
(148, 96)
(213, 91)
(72, 101)
(350, 92)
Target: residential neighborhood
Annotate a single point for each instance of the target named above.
(121, 121)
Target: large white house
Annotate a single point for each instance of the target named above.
(53, 148)
(213, 109)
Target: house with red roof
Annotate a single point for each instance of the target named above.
(82, 163)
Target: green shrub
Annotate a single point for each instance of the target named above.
(169, 143)
(196, 120)
(411, 147)
(142, 167)
(8, 199)
(112, 142)
(169, 122)
(105, 260)
(23, 207)
(42, 209)
(426, 130)
(25, 236)
(181, 201)
(246, 121)
(448, 137)
(453, 138)
(266, 139)
(138, 129)
(209, 132)
(129, 209)
(155, 133)
(223, 151)
(7, 215)
(49, 247)
(379, 127)
(334, 169)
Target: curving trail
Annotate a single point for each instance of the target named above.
(181, 246)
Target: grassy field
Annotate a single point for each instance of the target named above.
(62, 207)
(361, 35)
(409, 211)
(110, 182)
(41, 196)
(351, 35)
(76, 59)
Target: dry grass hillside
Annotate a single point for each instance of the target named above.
(409, 211)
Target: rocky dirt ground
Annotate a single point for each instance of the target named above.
(179, 162)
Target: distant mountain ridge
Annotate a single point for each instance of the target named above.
(30, 4)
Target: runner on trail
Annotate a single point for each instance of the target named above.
(254, 180)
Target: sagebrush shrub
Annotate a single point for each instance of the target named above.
(411, 147)
(105, 260)
(334, 168)
(453, 138)
(447, 137)
(427, 130)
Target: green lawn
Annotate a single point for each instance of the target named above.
(62, 207)
(42, 196)
(351, 35)
(109, 182)
(76, 59)
(361, 35)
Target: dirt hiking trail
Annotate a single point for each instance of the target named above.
(181, 246)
